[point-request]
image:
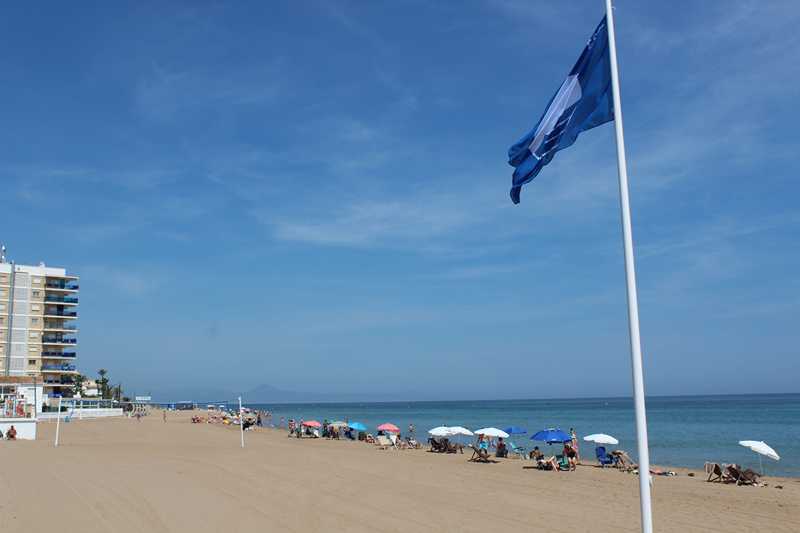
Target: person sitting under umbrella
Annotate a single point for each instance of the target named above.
(502, 450)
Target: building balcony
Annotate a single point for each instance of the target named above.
(58, 340)
(56, 383)
(60, 367)
(66, 300)
(60, 327)
(55, 285)
(59, 355)
(58, 313)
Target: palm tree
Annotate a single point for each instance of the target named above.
(77, 385)
(102, 384)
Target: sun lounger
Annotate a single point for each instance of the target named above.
(479, 455)
(454, 447)
(714, 471)
(519, 450)
(735, 474)
(602, 457)
(383, 442)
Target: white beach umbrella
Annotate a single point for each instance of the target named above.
(441, 431)
(458, 430)
(761, 448)
(600, 438)
(491, 432)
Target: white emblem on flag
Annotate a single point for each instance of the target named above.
(566, 97)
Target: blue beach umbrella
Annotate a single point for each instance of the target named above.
(515, 430)
(551, 435)
(358, 426)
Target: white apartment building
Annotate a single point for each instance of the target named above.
(38, 335)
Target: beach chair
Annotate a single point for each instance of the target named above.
(383, 443)
(714, 471)
(521, 452)
(479, 455)
(453, 447)
(602, 457)
(732, 474)
(563, 462)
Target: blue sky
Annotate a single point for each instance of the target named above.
(315, 195)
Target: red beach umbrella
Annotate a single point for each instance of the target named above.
(312, 424)
(389, 427)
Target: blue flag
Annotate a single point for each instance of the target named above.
(583, 102)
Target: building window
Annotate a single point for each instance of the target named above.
(32, 362)
(35, 294)
(32, 335)
(35, 307)
(37, 281)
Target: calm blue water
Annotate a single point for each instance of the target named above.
(684, 431)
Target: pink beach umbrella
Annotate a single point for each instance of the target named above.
(391, 428)
(312, 424)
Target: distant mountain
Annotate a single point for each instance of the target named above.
(261, 394)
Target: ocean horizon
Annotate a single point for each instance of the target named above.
(684, 431)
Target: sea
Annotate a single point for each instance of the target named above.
(684, 431)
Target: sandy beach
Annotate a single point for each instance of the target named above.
(128, 476)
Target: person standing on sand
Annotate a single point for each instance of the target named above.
(411, 431)
(575, 443)
(164, 415)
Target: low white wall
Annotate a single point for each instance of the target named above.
(78, 414)
(26, 427)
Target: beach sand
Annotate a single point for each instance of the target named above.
(122, 475)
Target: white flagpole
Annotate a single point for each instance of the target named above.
(241, 420)
(58, 421)
(630, 274)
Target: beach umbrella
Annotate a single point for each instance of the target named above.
(515, 430)
(600, 438)
(440, 431)
(312, 424)
(551, 435)
(761, 448)
(389, 427)
(338, 424)
(458, 430)
(358, 426)
(492, 432)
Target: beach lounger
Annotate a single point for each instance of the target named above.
(454, 447)
(602, 457)
(383, 443)
(714, 471)
(519, 450)
(734, 473)
(479, 455)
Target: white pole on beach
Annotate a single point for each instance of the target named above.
(58, 421)
(630, 274)
(241, 420)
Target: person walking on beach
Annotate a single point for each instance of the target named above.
(411, 431)
(258, 418)
(164, 415)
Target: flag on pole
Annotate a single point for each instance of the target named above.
(583, 102)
